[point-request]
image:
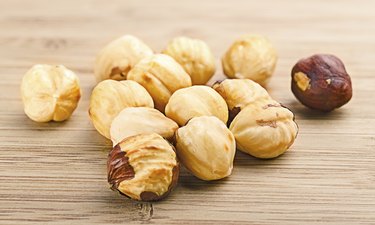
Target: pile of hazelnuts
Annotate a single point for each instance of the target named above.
(158, 111)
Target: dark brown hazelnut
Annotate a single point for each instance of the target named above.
(143, 167)
(321, 82)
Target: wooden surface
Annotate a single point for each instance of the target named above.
(56, 172)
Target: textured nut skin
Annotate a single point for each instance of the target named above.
(109, 97)
(143, 167)
(117, 58)
(194, 56)
(141, 120)
(196, 101)
(264, 130)
(321, 82)
(239, 93)
(50, 93)
(161, 75)
(206, 147)
(252, 57)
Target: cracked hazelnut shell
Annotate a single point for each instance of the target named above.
(141, 120)
(264, 130)
(206, 148)
(118, 57)
(161, 76)
(198, 100)
(321, 82)
(194, 56)
(143, 167)
(110, 97)
(50, 93)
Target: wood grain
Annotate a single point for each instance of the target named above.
(55, 173)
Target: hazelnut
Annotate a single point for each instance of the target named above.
(239, 93)
(195, 101)
(321, 82)
(161, 75)
(251, 57)
(109, 97)
(143, 167)
(50, 93)
(206, 147)
(118, 57)
(195, 57)
(141, 120)
(264, 130)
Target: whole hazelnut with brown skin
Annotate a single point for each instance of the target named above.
(321, 82)
(143, 167)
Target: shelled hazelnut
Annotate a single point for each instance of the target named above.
(252, 57)
(141, 120)
(161, 76)
(238, 93)
(143, 167)
(50, 93)
(110, 97)
(196, 101)
(264, 130)
(117, 58)
(206, 147)
(194, 56)
(321, 82)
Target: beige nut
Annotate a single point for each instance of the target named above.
(252, 57)
(206, 147)
(195, 57)
(264, 130)
(239, 93)
(50, 93)
(141, 120)
(109, 97)
(117, 58)
(196, 101)
(161, 75)
(143, 167)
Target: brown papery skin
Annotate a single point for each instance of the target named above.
(330, 85)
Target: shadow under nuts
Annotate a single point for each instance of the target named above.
(50, 93)
(206, 148)
(141, 120)
(264, 130)
(143, 167)
(194, 56)
(321, 82)
(252, 57)
(110, 97)
(117, 58)
(196, 101)
(239, 93)
(161, 75)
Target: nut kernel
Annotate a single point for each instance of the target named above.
(118, 57)
(50, 93)
(264, 130)
(195, 101)
(109, 97)
(330, 86)
(143, 167)
(206, 147)
(194, 56)
(141, 120)
(161, 76)
(252, 57)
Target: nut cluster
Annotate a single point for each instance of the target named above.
(146, 105)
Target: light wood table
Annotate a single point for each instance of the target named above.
(56, 172)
